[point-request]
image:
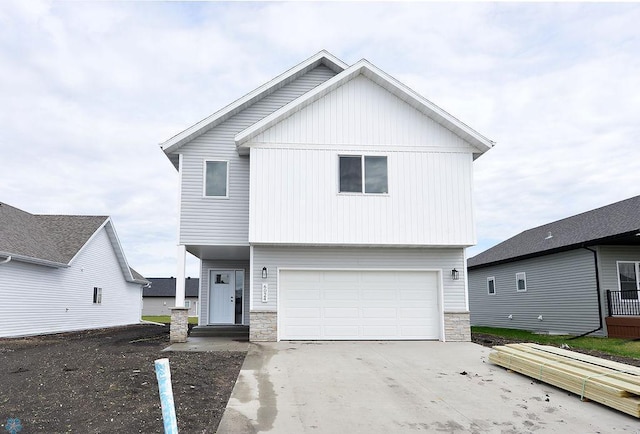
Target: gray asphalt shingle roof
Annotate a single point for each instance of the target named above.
(55, 238)
(608, 224)
(166, 287)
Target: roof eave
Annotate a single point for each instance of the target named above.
(481, 143)
(322, 57)
(32, 260)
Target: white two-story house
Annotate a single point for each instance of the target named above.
(333, 202)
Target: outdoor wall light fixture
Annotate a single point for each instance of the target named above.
(455, 275)
(264, 272)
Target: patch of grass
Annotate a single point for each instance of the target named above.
(620, 347)
(166, 319)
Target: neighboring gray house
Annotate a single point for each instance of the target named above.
(568, 276)
(160, 296)
(61, 273)
(333, 202)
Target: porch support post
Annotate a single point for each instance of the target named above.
(179, 314)
(182, 257)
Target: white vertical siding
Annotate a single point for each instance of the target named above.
(275, 257)
(214, 221)
(362, 112)
(295, 199)
(36, 299)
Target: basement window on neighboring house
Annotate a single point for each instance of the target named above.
(491, 285)
(521, 282)
(363, 174)
(97, 295)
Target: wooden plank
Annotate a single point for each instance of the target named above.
(553, 369)
(612, 373)
(622, 367)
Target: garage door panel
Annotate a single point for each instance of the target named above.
(358, 304)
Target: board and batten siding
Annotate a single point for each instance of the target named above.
(295, 199)
(216, 221)
(362, 112)
(205, 270)
(336, 258)
(561, 287)
(35, 299)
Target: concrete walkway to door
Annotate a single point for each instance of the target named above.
(398, 387)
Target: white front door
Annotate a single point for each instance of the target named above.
(222, 299)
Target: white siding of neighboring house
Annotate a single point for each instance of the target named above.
(276, 257)
(212, 221)
(295, 199)
(35, 299)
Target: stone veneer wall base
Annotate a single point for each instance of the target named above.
(457, 327)
(179, 329)
(263, 326)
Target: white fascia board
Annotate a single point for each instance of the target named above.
(322, 57)
(381, 78)
(31, 260)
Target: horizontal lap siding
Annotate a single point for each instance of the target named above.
(561, 287)
(36, 299)
(212, 221)
(354, 258)
(296, 200)
(608, 256)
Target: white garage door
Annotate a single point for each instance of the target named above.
(350, 305)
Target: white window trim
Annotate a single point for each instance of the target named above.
(204, 179)
(187, 304)
(491, 279)
(524, 277)
(362, 193)
(637, 265)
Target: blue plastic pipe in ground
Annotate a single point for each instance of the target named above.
(166, 396)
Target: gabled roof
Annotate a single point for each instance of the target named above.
(54, 240)
(481, 143)
(618, 223)
(321, 58)
(166, 287)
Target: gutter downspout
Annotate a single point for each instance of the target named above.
(595, 261)
(6, 260)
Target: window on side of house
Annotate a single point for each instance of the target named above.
(521, 282)
(97, 295)
(628, 273)
(187, 304)
(491, 285)
(216, 178)
(363, 174)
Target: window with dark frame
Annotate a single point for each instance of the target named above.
(491, 285)
(363, 174)
(521, 282)
(97, 295)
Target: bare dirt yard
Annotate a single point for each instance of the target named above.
(103, 381)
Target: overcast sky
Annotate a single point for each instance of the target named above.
(89, 90)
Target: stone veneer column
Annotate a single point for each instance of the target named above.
(263, 326)
(457, 327)
(179, 324)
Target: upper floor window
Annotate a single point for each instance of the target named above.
(216, 178)
(363, 174)
(491, 285)
(521, 282)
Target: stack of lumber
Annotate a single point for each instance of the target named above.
(614, 384)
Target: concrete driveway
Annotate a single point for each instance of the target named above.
(396, 387)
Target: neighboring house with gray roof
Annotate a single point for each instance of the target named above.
(576, 275)
(160, 296)
(61, 273)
